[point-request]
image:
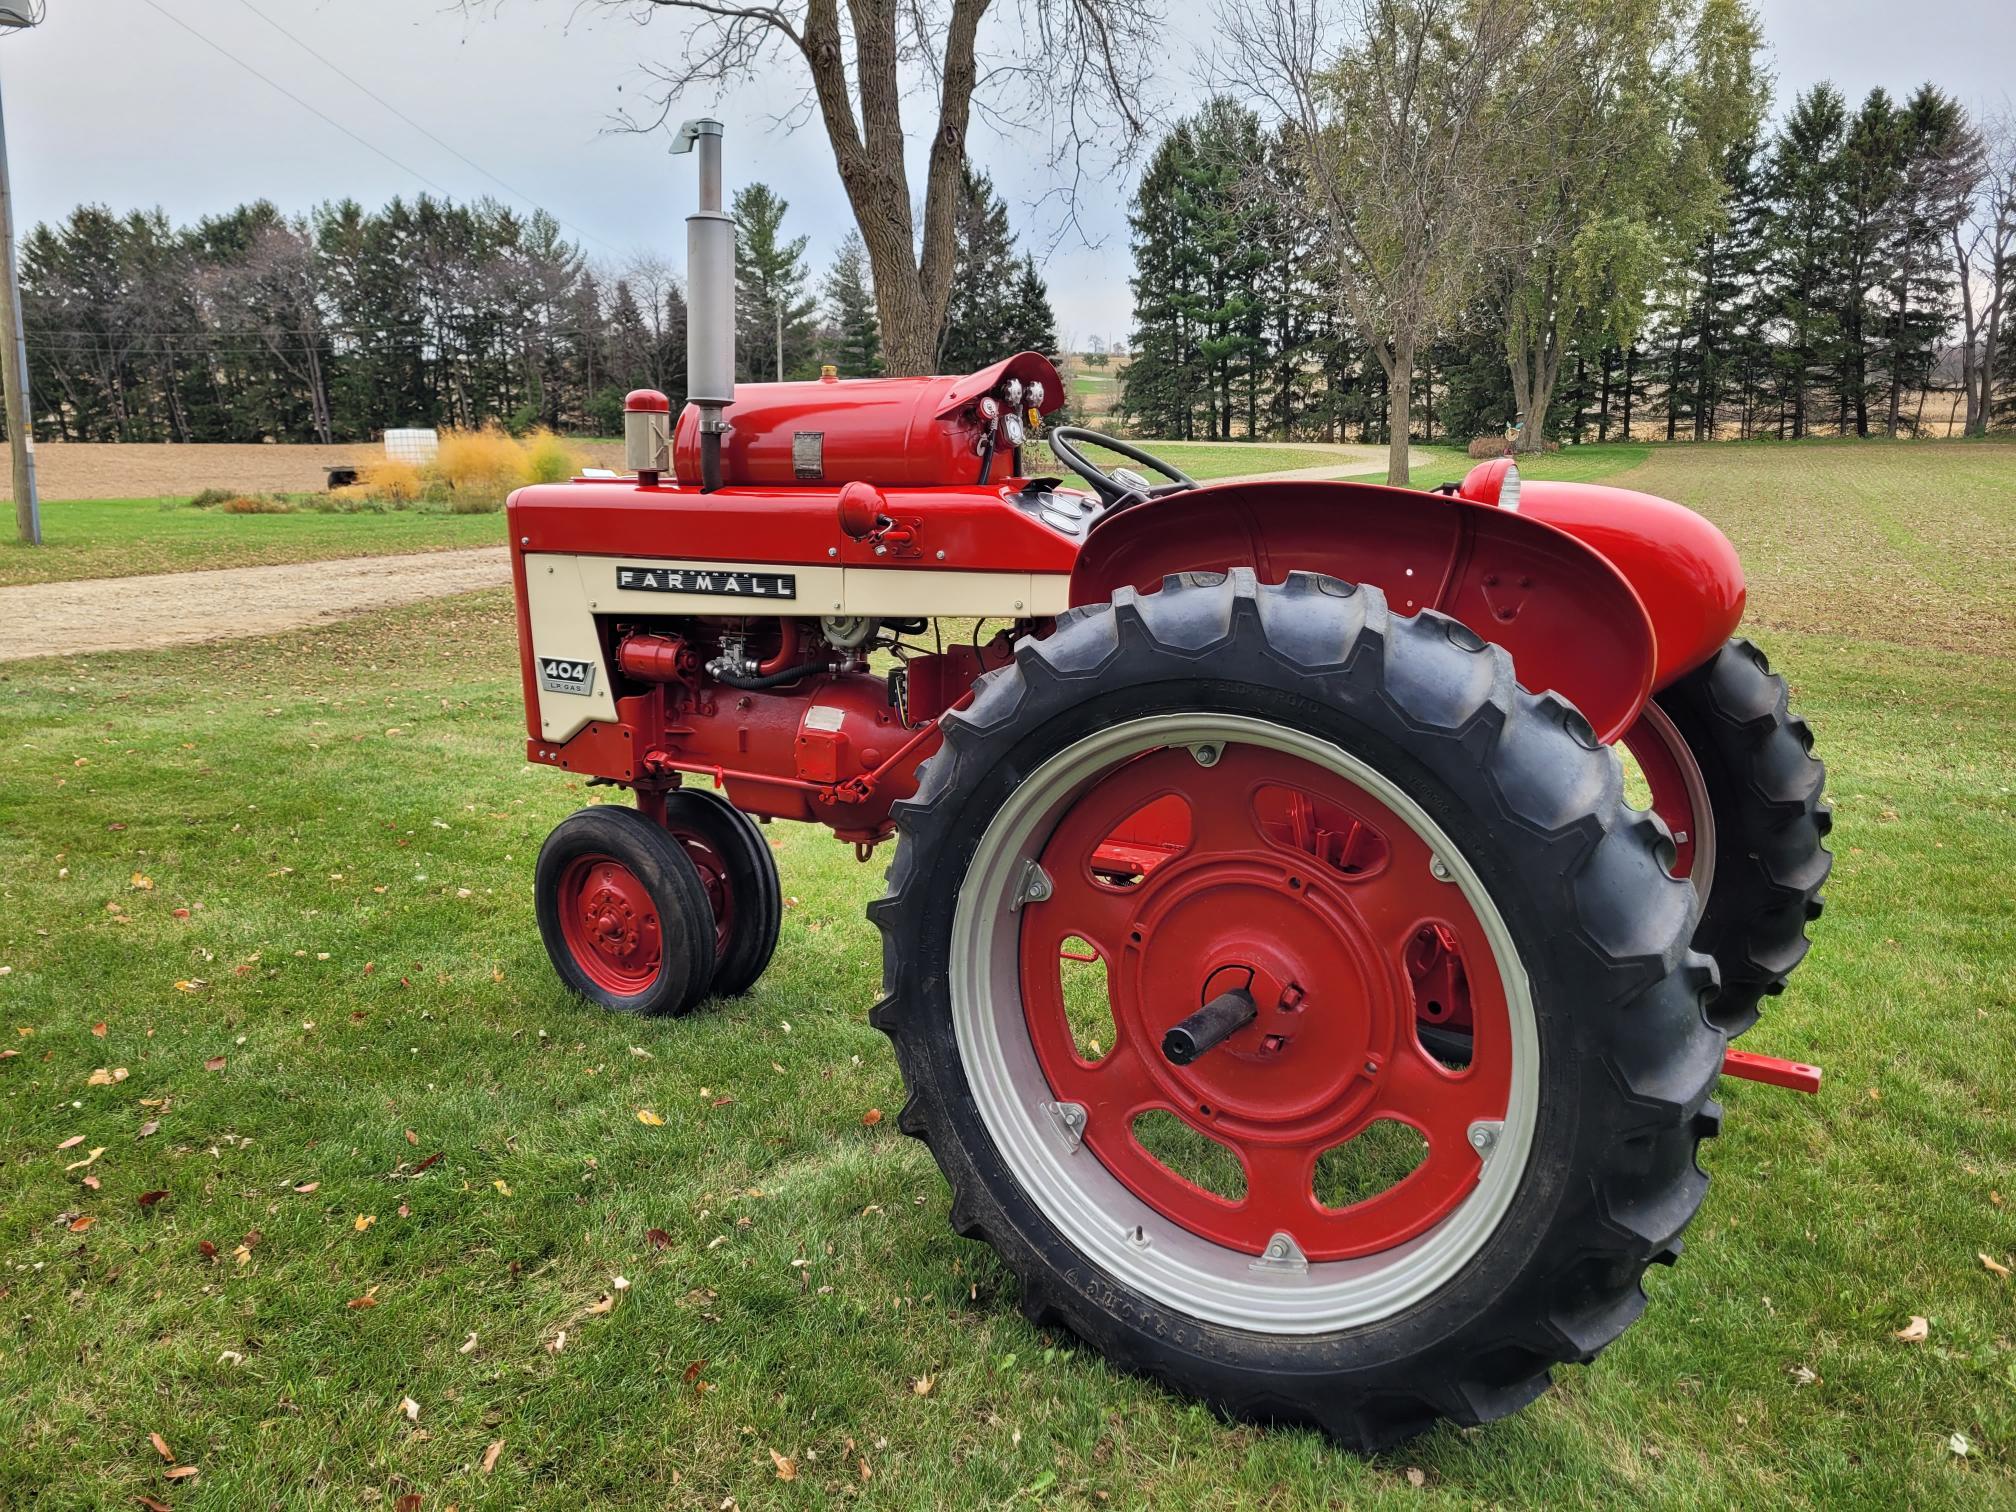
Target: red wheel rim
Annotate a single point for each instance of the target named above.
(1319, 896)
(715, 879)
(610, 924)
(1679, 794)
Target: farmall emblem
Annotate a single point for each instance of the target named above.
(725, 584)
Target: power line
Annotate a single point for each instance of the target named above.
(283, 89)
(447, 147)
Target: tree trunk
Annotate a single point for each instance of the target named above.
(1398, 363)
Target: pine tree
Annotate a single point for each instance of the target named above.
(775, 336)
(980, 318)
(1159, 386)
(1918, 301)
(856, 337)
(1802, 247)
(1033, 324)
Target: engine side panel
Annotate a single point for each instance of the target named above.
(1570, 619)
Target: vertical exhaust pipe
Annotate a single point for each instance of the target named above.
(710, 299)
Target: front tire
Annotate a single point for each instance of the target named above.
(1355, 784)
(623, 913)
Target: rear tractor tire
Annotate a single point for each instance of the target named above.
(1734, 776)
(1293, 1208)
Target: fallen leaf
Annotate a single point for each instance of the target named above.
(787, 1468)
(149, 1129)
(367, 1300)
(428, 1161)
(922, 1385)
(641, 1053)
(148, 1199)
(230, 1357)
(658, 1239)
(468, 1343)
(490, 1455)
(206, 1249)
(412, 1138)
(215, 1063)
(306, 1187)
(602, 1304)
(1914, 1332)
(1416, 1476)
(410, 1502)
(1995, 1267)
(1804, 1375)
(557, 1343)
(872, 1117)
(71, 1143)
(180, 1472)
(78, 1225)
(151, 1504)
(161, 1447)
(98, 1030)
(411, 1408)
(364, 1221)
(103, 1077)
(142, 884)
(90, 1181)
(502, 1186)
(692, 1374)
(651, 1120)
(1958, 1445)
(78, 1165)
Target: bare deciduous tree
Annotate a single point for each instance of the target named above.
(1401, 113)
(1067, 66)
(1984, 264)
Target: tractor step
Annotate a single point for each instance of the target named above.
(1796, 1076)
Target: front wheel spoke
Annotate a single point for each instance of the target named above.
(1112, 1089)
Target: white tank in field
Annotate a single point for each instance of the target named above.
(415, 446)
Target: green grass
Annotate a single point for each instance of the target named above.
(1212, 459)
(272, 788)
(120, 537)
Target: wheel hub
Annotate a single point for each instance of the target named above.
(610, 923)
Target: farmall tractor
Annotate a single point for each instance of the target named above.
(1277, 971)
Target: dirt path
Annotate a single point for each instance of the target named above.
(178, 608)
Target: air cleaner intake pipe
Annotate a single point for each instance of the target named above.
(710, 299)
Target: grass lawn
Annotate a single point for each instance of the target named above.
(270, 952)
(93, 538)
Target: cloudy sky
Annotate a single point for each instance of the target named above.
(140, 103)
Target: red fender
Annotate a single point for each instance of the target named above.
(1572, 621)
(1686, 572)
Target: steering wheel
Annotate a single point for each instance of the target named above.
(1121, 485)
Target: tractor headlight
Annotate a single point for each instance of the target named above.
(1011, 429)
(1036, 394)
(1508, 489)
(1012, 392)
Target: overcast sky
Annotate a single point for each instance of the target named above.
(113, 101)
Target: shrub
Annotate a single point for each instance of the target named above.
(389, 481)
(550, 458)
(481, 464)
(249, 504)
(210, 498)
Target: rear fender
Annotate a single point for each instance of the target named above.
(1687, 573)
(1571, 621)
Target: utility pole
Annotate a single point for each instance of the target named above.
(780, 342)
(13, 343)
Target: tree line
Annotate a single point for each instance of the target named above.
(332, 326)
(1449, 222)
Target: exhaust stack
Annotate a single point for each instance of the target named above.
(710, 299)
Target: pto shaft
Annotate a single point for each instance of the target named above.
(1211, 1025)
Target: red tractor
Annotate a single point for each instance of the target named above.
(1278, 974)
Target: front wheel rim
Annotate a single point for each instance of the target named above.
(610, 923)
(1679, 794)
(1277, 1262)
